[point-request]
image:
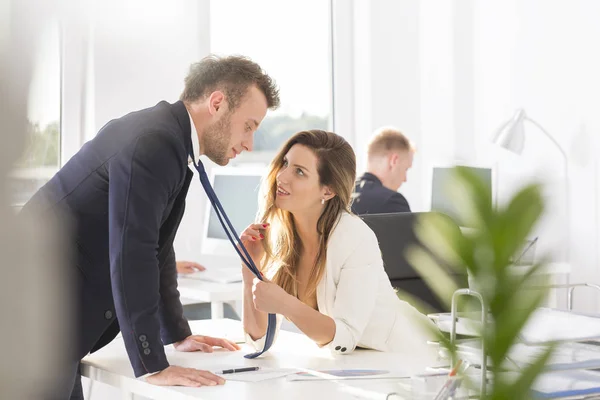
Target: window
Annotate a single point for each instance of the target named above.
(41, 158)
(292, 42)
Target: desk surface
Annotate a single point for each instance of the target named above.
(111, 365)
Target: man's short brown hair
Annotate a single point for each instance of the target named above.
(233, 75)
(388, 139)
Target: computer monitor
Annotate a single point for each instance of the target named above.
(237, 189)
(441, 201)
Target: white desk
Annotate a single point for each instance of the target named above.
(111, 366)
(196, 291)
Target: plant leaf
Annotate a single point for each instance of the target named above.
(511, 320)
(430, 271)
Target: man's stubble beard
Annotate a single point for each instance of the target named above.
(216, 140)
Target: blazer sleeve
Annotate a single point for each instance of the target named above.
(397, 203)
(356, 292)
(173, 325)
(142, 178)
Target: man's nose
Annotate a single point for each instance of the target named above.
(248, 144)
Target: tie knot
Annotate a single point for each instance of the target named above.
(199, 166)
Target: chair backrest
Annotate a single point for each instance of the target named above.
(396, 233)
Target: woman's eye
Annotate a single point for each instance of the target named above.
(285, 163)
(299, 171)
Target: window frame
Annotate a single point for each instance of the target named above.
(47, 172)
(341, 79)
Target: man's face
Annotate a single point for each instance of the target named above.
(401, 167)
(233, 132)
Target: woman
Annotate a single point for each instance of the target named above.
(323, 265)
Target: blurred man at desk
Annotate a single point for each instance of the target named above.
(390, 156)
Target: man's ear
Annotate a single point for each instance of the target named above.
(393, 159)
(216, 101)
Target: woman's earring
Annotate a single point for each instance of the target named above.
(322, 201)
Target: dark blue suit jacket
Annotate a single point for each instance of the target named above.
(371, 197)
(124, 192)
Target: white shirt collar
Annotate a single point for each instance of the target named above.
(195, 143)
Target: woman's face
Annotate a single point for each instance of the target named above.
(298, 187)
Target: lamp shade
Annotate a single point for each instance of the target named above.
(511, 135)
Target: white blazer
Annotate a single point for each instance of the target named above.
(356, 293)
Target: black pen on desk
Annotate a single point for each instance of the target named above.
(236, 370)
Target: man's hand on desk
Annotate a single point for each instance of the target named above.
(204, 344)
(188, 267)
(179, 376)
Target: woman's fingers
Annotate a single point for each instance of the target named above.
(254, 231)
(248, 234)
(259, 226)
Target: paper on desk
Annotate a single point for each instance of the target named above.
(369, 394)
(565, 356)
(546, 325)
(566, 383)
(345, 374)
(257, 376)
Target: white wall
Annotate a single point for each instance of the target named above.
(387, 78)
(450, 72)
(142, 51)
(407, 75)
(541, 55)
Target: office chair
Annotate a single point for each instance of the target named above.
(395, 233)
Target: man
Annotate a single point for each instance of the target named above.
(125, 194)
(390, 156)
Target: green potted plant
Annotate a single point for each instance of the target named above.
(485, 254)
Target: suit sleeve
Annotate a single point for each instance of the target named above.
(352, 312)
(397, 203)
(173, 326)
(142, 178)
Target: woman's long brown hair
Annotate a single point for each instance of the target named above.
(336, 166)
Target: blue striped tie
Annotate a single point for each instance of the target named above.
(232, 234)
